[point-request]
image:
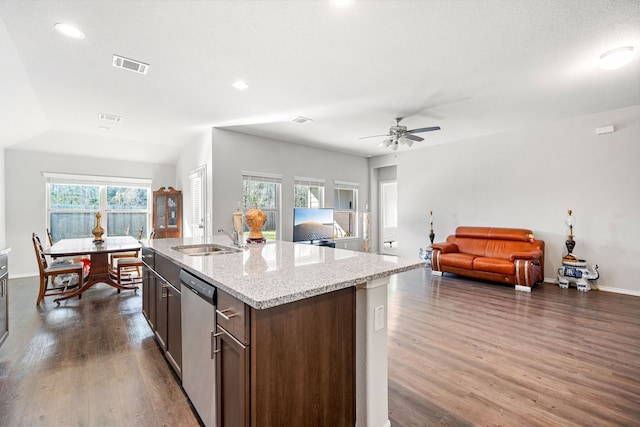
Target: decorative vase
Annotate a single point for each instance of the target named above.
(98, 231)
(255, 219)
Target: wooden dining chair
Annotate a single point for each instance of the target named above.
(69, 274)
(126, 267)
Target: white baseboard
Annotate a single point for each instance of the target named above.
(22, 275)
(619, 290)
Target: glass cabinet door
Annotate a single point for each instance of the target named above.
(172, 211)
(160, 212)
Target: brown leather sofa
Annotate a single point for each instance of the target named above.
(505, 255)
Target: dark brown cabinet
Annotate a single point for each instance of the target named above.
(161, 300)
(4, 297)
(276, 364)
(148, 287)
(167, 213)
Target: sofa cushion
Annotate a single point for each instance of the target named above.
(504, 248)
(475, 247)
(457, 259)
(494, 265)
(516, 234)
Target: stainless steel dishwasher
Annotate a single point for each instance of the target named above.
(198, 341)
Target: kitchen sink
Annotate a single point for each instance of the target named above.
(205, 249)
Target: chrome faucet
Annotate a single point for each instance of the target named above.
(233, 237)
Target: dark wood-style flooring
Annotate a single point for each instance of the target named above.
(461, 353)
(464, 353)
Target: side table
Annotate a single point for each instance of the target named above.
(577, 272)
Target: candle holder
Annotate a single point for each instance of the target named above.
(431, 233)
(570, 243)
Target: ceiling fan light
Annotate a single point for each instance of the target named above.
(409, 143)
(616, 58)
(386, 143)
(395, 147)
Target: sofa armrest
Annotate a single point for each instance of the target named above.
(445, 248)
(536, 255)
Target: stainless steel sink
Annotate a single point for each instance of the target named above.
(205, 249)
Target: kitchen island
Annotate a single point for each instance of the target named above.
(308, 330)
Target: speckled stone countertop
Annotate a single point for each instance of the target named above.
(278, 272)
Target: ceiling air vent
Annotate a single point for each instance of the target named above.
(110, 117)
(301, 120)
(130, 64)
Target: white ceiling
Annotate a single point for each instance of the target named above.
(473, 67)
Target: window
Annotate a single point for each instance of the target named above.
(346, 209)
(197, 202)
(308, 193)
(74, 200)
(263, 190)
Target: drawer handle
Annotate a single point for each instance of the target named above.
(214, 348)
(3, 267)
(223, 314)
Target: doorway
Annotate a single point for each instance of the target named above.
(389, 217)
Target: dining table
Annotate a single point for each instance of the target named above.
(98, 252)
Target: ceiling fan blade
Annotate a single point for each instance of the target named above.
(413, 137)
(424, 129)
(373, 136)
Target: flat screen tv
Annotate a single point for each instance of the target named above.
(312, 224)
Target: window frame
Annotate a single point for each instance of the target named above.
(277, 210)
(102, 182)
(308, 183)
(353, 187)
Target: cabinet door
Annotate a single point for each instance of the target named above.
(232, 381)
(174, 328)
(146, 292)
(161, 312)
(4, 308)
(160, 212)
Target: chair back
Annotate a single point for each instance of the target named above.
(37, 247)
(140, 233)
(48, 237)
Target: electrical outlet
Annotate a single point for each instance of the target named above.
(379, 318)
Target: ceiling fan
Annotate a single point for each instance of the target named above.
(400, 135)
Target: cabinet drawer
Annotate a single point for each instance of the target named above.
(233, 315)
(168, 270)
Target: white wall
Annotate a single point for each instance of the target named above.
(235, 152)
(529, 179)
(26, 188)
(195, 155)
(3, 229)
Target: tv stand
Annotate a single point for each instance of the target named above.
(329, 243)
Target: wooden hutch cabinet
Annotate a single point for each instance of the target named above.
(167, 213)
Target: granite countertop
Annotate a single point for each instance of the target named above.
(279, 272)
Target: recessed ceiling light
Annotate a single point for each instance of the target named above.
(104, 128)
(616, 58)
(341, 3)
(240, 85)
(69, 30)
